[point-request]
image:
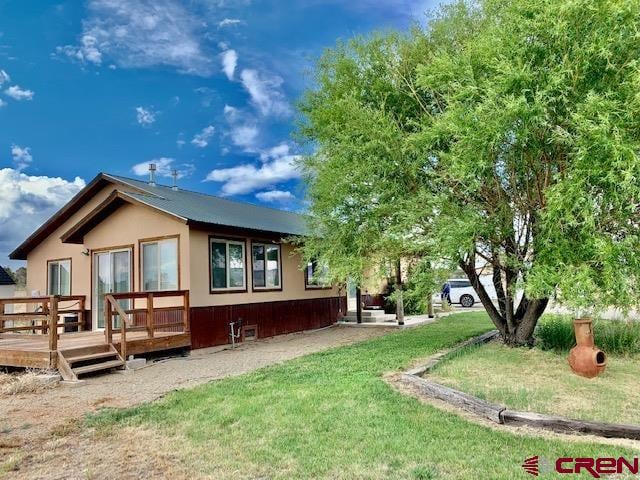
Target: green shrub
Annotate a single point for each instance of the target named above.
(555, 332)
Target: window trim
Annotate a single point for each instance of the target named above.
(141, 242)
(58, 260)
(308, 286)
(227, 240)
(265, 288)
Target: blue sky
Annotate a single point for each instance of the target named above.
(202, 86)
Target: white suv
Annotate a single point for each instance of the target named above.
(463, 293)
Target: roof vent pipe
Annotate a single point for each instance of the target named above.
(152, 174)
(174, 174)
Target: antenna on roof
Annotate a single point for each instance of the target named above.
(152, 174)
(174, 174)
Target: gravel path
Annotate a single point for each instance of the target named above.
(27, 417)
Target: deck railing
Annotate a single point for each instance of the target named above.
(45, 318)
(144, 319)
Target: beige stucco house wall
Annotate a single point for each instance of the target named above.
(52, 248)
(131, 224)
(293, 280)
(115, 213)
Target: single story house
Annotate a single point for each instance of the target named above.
(235, 259)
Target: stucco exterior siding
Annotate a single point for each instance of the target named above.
(293, 282)
(130, 224)
(52, 248)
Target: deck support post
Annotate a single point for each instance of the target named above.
(81, 314)
(186, 313)
(108, 316)
(358, 305)
(149, 315)
(53, 324)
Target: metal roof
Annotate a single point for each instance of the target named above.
(209, 209)
(5, 279)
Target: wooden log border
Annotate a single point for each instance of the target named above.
(499, 414)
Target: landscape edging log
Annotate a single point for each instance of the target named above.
(456, 398)
(499, 414)
(568, 425)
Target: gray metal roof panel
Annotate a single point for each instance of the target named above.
(200, 207)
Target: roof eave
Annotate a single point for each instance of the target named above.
(76, 233)
(21, 252)
(230, 229)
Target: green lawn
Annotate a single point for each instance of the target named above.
(331, 415)
(541, 381)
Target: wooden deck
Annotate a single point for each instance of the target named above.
(35, 337)
(32, 351)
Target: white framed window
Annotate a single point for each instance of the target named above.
(159, 259)
(59, 277)
(267, 268)
(316, 275)
(227, 263)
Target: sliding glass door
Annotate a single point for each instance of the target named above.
(111, 274)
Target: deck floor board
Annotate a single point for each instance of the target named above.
(37, 346)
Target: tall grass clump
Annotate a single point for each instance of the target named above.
(555, 332)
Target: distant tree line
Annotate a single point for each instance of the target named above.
(19, 276)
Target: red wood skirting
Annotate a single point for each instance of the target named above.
(210, 325)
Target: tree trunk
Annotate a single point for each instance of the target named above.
(517, 328)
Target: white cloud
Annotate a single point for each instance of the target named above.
(266, 93)
(228, 22)
(231, 113)
(18, 93)
(243, 129)
(4, 77)
(248, 177)
(244, 136)
(2, 103)
(229, 62)
(142, 33)
(27, 201)
(164, 168)
(145, 116)
(275, 196)
(21, 157)
(275, 152)
(201, 139)
(87, 52)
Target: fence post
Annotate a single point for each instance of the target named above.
(81, 316)
(45, 310)
(107, 320)
(186, 314)
(123, 337)
(150, 320)
(53, 323)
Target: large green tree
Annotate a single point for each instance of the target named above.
(507, 133)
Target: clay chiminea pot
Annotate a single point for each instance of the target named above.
(585, 359)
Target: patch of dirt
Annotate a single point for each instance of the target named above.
(42, 436)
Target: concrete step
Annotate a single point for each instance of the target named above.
(368, 313)
(370, 318)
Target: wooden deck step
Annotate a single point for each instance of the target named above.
(96, 367)
(91, 356)
(86, 350)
